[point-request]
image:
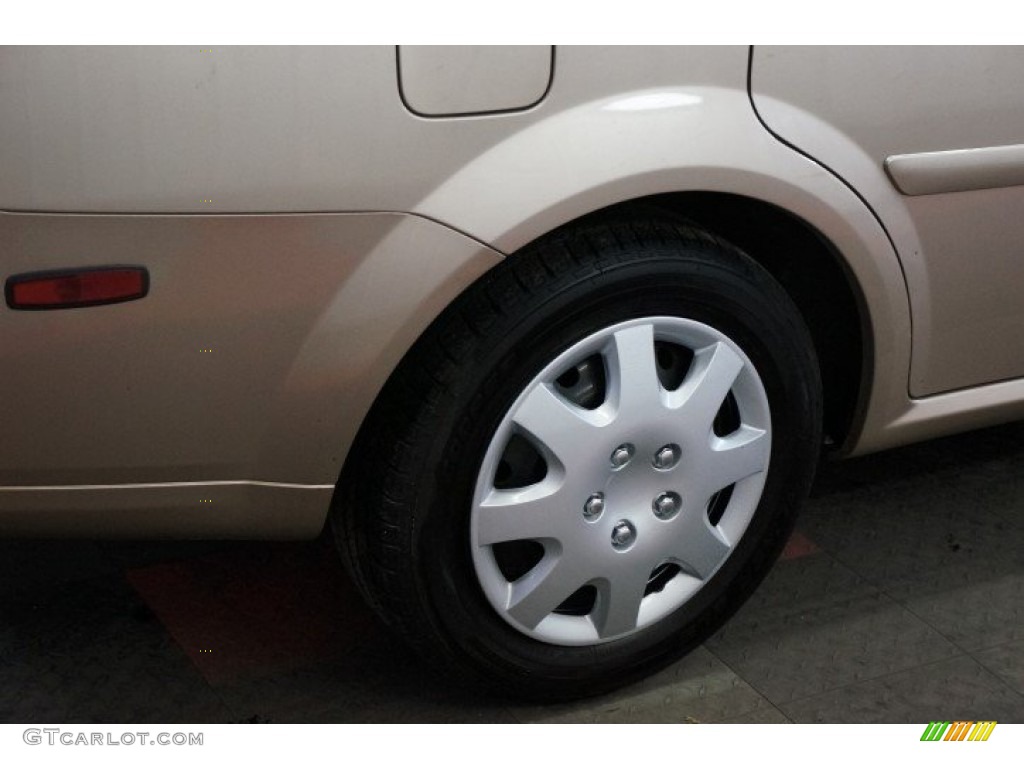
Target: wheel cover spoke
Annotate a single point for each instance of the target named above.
(711, 376)
(733, 458)
(633, 371)
(697, 547)
(619, 603)
(534, 596)
(554, 423)
(528, 513)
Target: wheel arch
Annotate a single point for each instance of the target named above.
(813, 274)
(808, 266)
(718, 168)
(710, 161)
(811, 269)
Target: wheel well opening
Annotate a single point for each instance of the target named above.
(810, 270)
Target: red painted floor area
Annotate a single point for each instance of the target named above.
(255, 610)
(798, 546)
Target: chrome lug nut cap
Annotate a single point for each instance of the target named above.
(621, 455)
(667, 456)
(666, 505)
(594, 507)
(623, 534)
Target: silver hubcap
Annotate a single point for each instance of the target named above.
(667, 485)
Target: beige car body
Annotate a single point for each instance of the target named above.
(305, 214)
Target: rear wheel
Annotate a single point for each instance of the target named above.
(588, 462)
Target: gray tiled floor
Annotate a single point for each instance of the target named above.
(959, 684)
(794, 655)
(912, 609)
(700, 688)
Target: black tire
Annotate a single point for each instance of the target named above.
(402, 512)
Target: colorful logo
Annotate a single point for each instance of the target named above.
(961, 730)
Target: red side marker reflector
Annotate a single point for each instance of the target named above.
(65, 289)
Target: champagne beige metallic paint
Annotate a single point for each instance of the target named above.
(957, 170)
(853, 109)
(258, 351)
(302, 223)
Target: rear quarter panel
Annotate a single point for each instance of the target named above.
(303, 225)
